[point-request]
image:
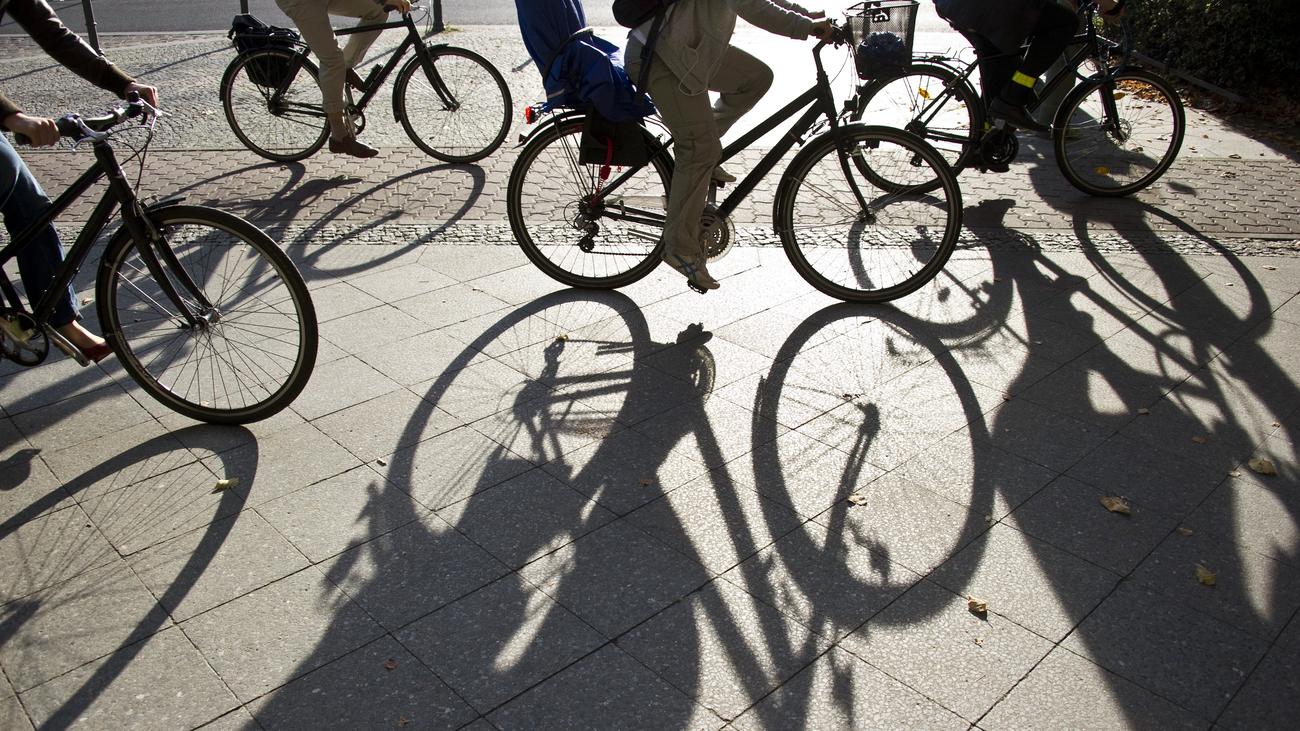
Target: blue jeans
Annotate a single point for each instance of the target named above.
(22, 201)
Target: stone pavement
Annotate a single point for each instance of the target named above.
(467, 520)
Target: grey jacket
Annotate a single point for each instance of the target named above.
(697, 33)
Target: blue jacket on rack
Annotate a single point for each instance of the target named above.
(579, 69)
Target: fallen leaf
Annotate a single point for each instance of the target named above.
(226, 484)
(390, 664)
(1006, 397)
(86, 300)
(1116, 504)
(1235, 156)
(977, 606)
(1262, 465)
(381, 461)
(1102, 170)
(562, 338)
(1144, 411)
(858, 498)
(924, 93)
(646, 482)
(403, 722)
(1270, 267)
(979, 641)
(1205, 576)
(1184, 530)
(1200, 439)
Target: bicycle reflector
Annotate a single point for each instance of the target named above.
(530, 114)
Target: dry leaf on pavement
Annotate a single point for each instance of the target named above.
(1184, 530)
(858, 498)
(646, 482)
(977, 606)
(1144, 411)
(1205, 576)
(226, 484)
(1116, 504)
(381, 461)
(1200, 439)
(390, 664)
(1262, 465)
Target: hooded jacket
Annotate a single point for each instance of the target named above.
(697, 33)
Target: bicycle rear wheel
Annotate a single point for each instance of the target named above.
(253, 349)
(566, 231)
(460, 115)
(911, 101)
(887, 249)
(278, 126)
(1115, 136)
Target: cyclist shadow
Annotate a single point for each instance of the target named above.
(1168, 383)
(138, 498)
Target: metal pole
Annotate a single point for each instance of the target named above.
(90, 26)
(243, 6)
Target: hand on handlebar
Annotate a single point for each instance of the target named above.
(147, 93)
(820, 29)
(401, 6)
(34, 131)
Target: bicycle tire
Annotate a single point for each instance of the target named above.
(258, 347)
(478, 123)
(897, 100)
(896, 231)
(1151, 124)
(287, 129)
(552, 223)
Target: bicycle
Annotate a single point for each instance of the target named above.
(1113, 134)
(585, 229)
(201, 307)
(453, 104)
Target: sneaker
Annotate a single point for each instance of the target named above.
(351, 146)
(722, 176)
(1016, 116)
(693, 268)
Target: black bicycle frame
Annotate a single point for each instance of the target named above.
(1088, 46)
(819, 101)
(121, 193)
(412, 40)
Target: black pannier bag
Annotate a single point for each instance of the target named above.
(250, 34)
(632, 13)
(609, 143)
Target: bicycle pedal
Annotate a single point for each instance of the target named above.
(696, 287)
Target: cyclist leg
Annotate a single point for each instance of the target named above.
(22, 201)
(367, 12)
(697, 150)
(1052, 32)
(741, 81)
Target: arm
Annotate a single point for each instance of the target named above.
(775, 17)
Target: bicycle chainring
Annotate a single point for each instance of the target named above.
(719, 235)
(21, 339)
(999, 146)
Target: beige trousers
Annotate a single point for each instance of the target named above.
(697, 128)
(312, 19)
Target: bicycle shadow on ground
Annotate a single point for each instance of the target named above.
(1166, 384)
(611, 530)
(156, 484)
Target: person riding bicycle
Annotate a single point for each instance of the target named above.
(693, 55)
(313, 21)
(21, 198)
(998, 30)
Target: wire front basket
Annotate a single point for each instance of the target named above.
(882, 32)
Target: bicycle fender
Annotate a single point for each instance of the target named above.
(171, 200)
(551, 121)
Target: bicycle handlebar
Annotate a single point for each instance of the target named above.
(76, 127)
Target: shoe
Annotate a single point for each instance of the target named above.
(1016, 116)
(697, 275)
(722, 176)
(351, 146)
(354, 80)
(96, 353)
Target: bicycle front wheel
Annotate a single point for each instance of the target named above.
(933, 103)
(460, 112)
(855, 239)
(570, 228)
(278, 125)
(1116, 135)
(252, 346)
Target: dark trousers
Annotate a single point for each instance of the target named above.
(1052, 33)
(22, 201)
